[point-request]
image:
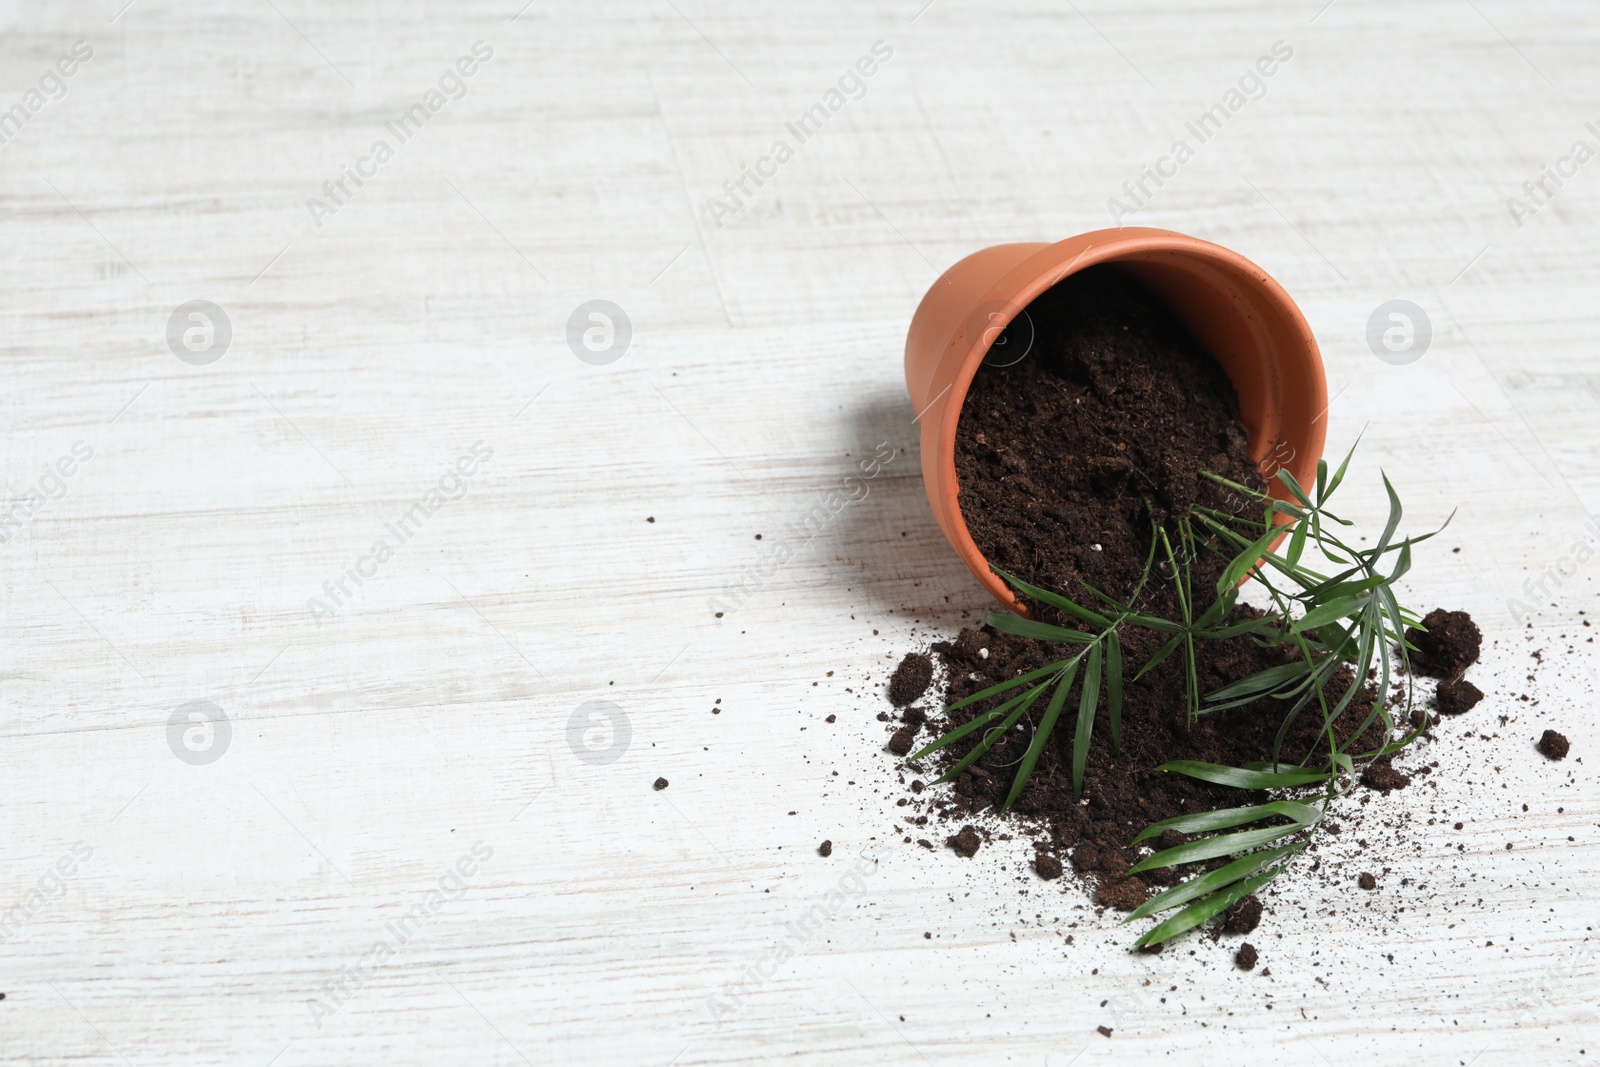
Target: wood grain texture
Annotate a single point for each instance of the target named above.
(373, 749)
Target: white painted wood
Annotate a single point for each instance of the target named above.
(371, 751)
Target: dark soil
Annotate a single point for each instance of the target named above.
(1457, 696)
(1381, 775)
(1061, 456)
(825, 849)
(1125, 792)
(1122, 894)
(1243, 917)
(1047, 866)
(1449, 646)
(1367, 881)
(910, 679)
(661, 783)
(966, 842)
(1554, 745)
(1246, 957)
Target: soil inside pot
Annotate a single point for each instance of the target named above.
(1064, 456)
(1064, 460)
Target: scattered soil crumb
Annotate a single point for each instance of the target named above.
(1243, 916)
(900, 744)
(661, 783)
(1449, 646)
(1122, 894)
(1246, 957)
(1047, 866)
(1457, 696)
(1366, 881)
(1381, 775)
(825, 849)
(1105, 1031)
(911, 679)
(966, 842)
(1554, 745)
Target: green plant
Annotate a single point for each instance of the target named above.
(1339, 626)
(1100, 659)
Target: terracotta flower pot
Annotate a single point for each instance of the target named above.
(1235, 311)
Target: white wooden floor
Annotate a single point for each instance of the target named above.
(414, 838)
